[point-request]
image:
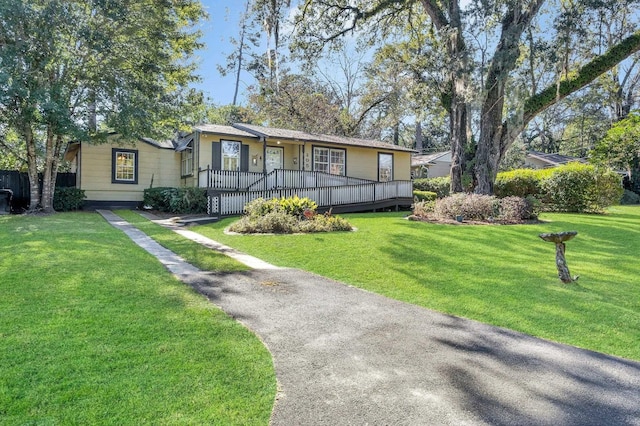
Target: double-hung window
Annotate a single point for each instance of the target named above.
(329, 160)
(230, 155)
(124, 166)
(385, 167)
(186, 160)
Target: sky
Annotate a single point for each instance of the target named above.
(224, 17)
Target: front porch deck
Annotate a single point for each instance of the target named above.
(230, 191)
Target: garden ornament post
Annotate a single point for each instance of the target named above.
(559, 238)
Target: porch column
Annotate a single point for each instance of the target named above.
(264, 154)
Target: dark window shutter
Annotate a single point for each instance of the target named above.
(216, 160)
(244, 158)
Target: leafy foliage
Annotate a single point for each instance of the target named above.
(629, 197)
(620, 148)
(176, 200)
(574, 187)
(520, 183)
(424, 195)
(579, 187)
(439, 185)
(68, 198)
(65, 64)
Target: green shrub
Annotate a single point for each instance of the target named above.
(578, 187)
(574, 187)
(519, 183)
(260, 207)
(68, 198)
(324, 223)
(630, 197)
(286, 216)
(157, 198)
(296, 206)
(439, 185)
(277, 222)
(183, 200)
(424, 195)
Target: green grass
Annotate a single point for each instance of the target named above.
(502, 275)
(194, 253)
(93, 330)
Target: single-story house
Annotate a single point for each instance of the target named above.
(437, 164)
(541, 160)
(242, 162)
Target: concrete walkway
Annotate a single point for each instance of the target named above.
(344, 356)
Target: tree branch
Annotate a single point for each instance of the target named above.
(585, 75)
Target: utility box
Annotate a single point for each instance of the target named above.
(6, 196)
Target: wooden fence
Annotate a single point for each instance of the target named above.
(18, 183)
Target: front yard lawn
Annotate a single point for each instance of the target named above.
(502, 275)
(94, 330)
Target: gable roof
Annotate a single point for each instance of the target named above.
(224, 130)
(296, 135)
(165, 144)
(552, 159)
(427, 159)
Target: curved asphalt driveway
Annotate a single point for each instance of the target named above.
(344, 356)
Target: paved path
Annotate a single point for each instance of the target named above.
(344, 356)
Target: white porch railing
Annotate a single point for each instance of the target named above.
(282, 179)
(232, 203)
(232, 180)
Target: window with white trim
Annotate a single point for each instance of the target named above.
(124, 166)
(230, 155)
(329, 160)
(186, 161)
(385, 167)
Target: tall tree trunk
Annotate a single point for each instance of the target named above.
(47, 184)
(419, 145)
(243, 31)
(457, 54)
(458, 137)
(32, 167)
(494, 133)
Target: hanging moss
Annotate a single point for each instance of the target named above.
(584, 76)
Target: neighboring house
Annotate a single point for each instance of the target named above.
(437, 164)
(242, 162)
(541, 160)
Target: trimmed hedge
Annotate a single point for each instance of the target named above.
(424, 195)
(439, 185)
(176, 200)
(574, 187)
(68, 198)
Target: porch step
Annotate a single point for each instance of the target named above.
(197, 220)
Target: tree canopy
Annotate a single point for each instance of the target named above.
(76, 70)
(496, 64)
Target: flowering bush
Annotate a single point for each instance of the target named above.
(286, 216)
(469, 206)
(476, 207)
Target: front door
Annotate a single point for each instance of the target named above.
(274, 158)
